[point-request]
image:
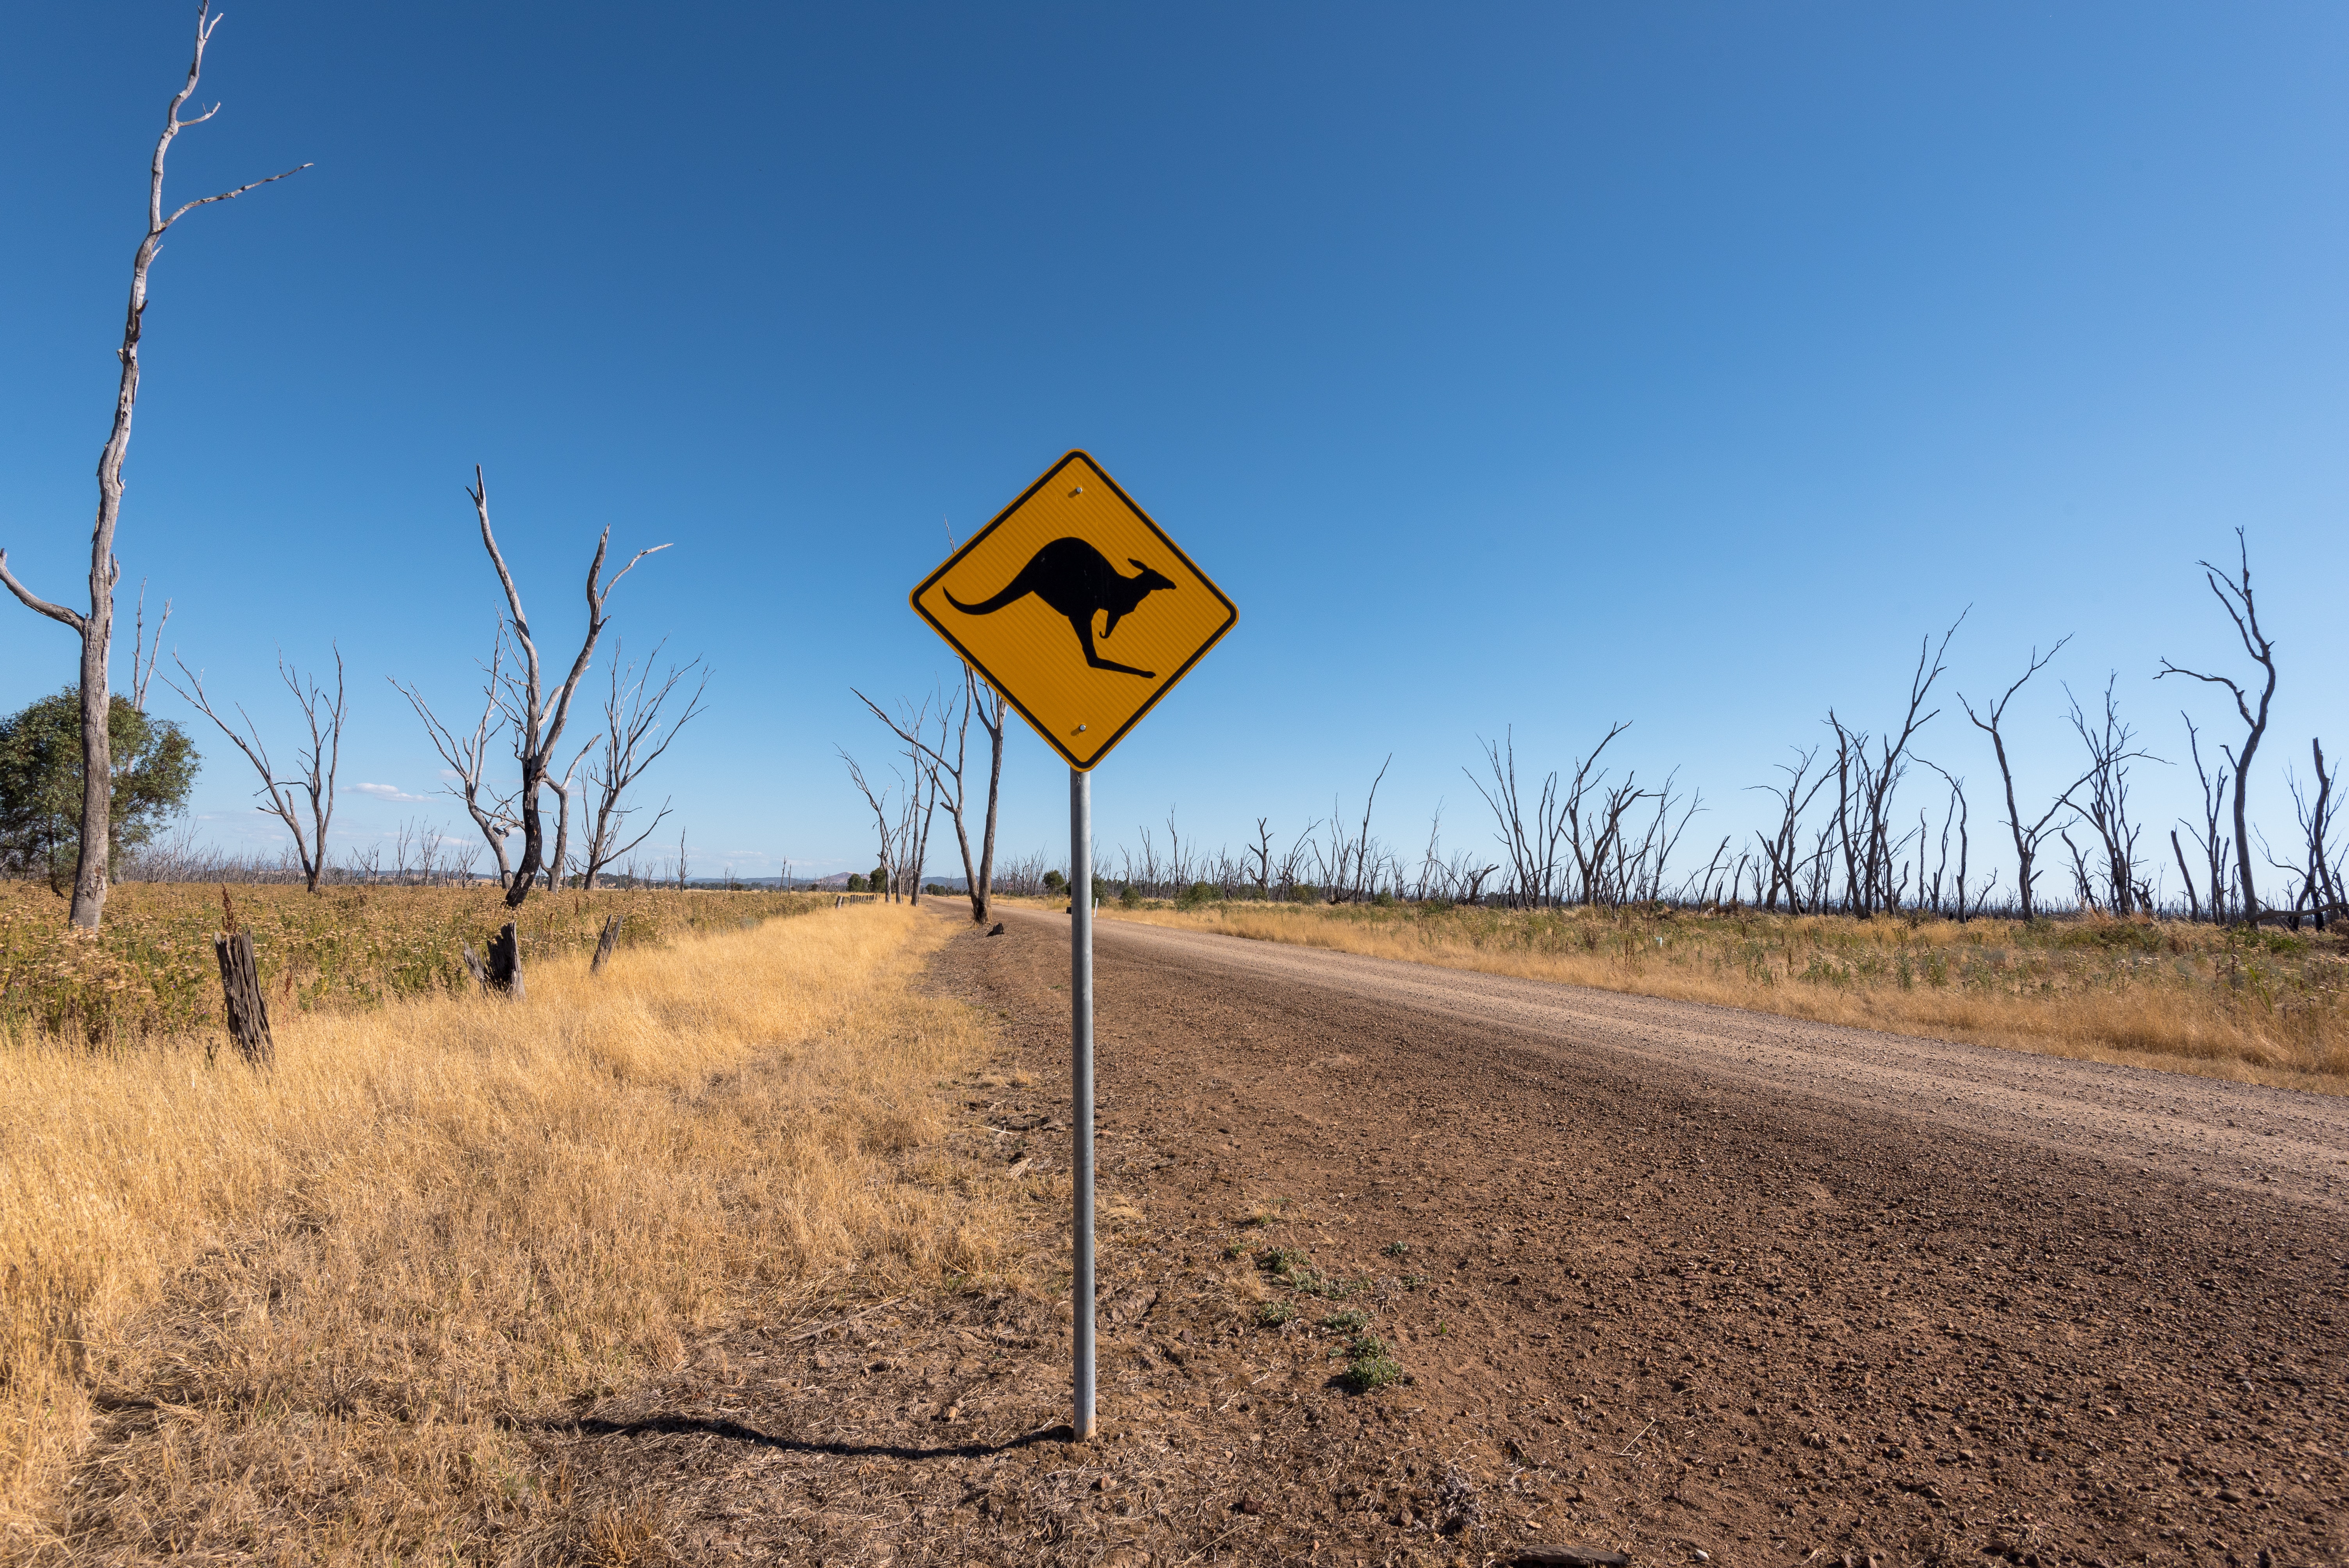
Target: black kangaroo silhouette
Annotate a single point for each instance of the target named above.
(1079, 582)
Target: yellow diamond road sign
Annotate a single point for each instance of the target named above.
(1077, 608)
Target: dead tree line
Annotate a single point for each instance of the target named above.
(1845, 832)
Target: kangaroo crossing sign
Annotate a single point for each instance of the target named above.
(1077, 608)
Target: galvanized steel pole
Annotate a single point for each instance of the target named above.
(1081, 1082)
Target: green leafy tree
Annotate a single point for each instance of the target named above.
(41, 775)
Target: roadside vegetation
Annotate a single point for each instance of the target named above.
(150, 972)
(2232, 1001)
(317, 1312)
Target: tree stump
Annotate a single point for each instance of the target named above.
(248, 1011)
(502, 972)
(609, 940)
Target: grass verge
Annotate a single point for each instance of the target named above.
(316, 1313)
(150, 972)
(2265, 1007)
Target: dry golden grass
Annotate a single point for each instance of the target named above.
(2267, 1006)
(313, 1314)
(150, 971)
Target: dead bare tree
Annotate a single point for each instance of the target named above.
(878, 800)
(2105, 805)
(1606, 883)
(1643, 869)
(1365, 874)
(94, 626)
(318, 765)
(984, 703)
(1531, 845)
(537, 720)
(1261, 850)
(468, 757)
(2234, 596)
(2215, 846)
(1863, 802)
(1590, 840)
(1780, 848)
(2320, 873)
(1956, 812)
(2026, 839)
(634, 738)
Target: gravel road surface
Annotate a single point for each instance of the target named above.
(2276, 1141)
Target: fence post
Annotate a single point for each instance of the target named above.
(248, 1010)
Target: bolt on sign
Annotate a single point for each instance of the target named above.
(1077, 608)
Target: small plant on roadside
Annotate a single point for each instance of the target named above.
(1352, 1320)
(1295, 1270)
(1236, 1250)
(1273, 1314)
(1370, 1364)
(1413, 1281)
(1398, 1249)
(1281, 1262)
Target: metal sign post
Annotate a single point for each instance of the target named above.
(1040, 603)
(1081, 1083)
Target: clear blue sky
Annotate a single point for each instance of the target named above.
(1538, 366)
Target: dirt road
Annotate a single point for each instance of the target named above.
(2223, 1134)
(1695, 1285)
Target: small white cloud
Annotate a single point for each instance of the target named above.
(387, 792)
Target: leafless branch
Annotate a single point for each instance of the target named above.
(318, 765)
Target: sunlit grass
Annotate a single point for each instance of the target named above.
(151, 971)
(312, 1313)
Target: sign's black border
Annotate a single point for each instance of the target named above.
(1231, 617)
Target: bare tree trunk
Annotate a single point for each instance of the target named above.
(320, 763)
(986, 705)
(554, 872)
(96, 625)
(2234, 596)
(990, 707)
(2107, 786)
(2193, 904)
(2026, 839)
(501, 973)
(538, 721)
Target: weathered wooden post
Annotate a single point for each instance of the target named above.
(606, 943)
(502, 972)
(248, 1011)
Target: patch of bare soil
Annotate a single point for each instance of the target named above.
(1643, 1311)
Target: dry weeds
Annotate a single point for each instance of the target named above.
(314, 1315)
(151, 972)
(2266, 1006)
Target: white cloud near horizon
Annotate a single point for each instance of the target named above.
(387, 792)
